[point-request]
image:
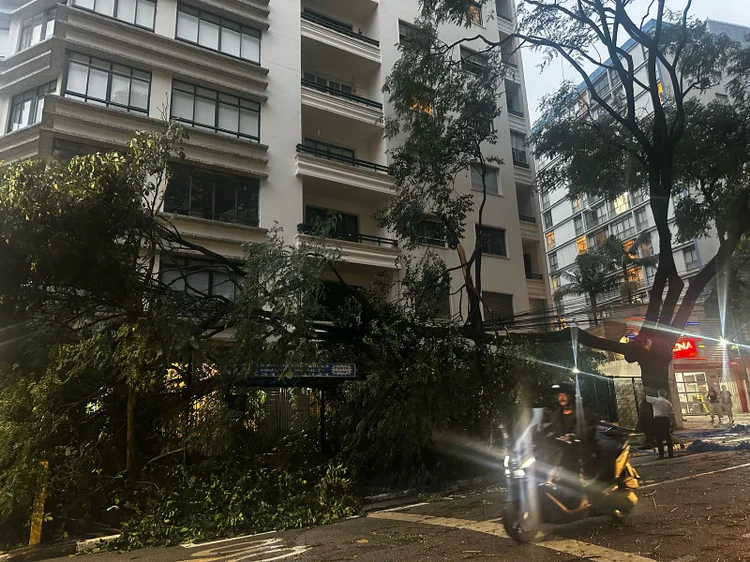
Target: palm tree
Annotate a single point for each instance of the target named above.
(625, 257)
(591, 275)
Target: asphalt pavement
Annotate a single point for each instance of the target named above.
(692, 509)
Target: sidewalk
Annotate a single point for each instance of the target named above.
(693, 424)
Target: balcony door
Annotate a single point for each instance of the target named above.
(346, 228)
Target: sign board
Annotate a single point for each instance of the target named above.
(685, 348)
(327, 371)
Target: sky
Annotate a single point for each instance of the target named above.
(540, 83)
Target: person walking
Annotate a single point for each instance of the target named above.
(714, 404)
(662, 424)
(726, 402)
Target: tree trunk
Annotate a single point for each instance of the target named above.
(655, 375)
(592, 297)
(130, 457)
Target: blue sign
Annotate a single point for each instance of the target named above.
(327, 371)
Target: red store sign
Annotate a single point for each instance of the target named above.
(685, 348)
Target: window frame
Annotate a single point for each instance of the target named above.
(490, 170)
(474, 13)
(499, 313)
(554, 264)
(187, 262)
(488, 246)
(217, 181)
(549, 240)
(37, 95)
(176, 86)
(74, 57)
(47, 17)
(114, 12)
(327, 146)
(426, 240)
(578, 220)
(185, 8)
(407, 27)
(547, 219)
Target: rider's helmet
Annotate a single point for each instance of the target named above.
(568, 387)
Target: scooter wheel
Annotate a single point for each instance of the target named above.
(521, 526)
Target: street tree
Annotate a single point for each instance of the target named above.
(593, 274)
(607, 145)
(627, 256)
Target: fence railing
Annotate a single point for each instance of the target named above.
(211, 216)
(338, 27)
(357, 237)
(340, 94)
(526, 218)
(356, 162)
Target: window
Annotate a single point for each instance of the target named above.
(100, 82)
(422, 105)
(326, 84)
(212, 196)
(641, 220)
(136, 12)
(553, 261)
(433, 233)
(490, 179)
(691, 258)
(65, 149)
(473, 62)
(497, 305)
(555, 279)
(217, 34)
(614, 76)
(550, 239)
(36, 29)
(26, 109)
(502, 7)
(601, 86)
(624, 228)
(723, 98)
(518, 143)
(545, 200)
(210, 110)
(197, 277)
(597, 238)
(639, 196)
(495, 244)
(474, 13)
(691, 388)
(547, 219)
(406, 31)
(621, 204)
(581, 244)
(576, 204)
(578, 224)
(596, 215)
(513, 98)
(346, 226)
(331, 151)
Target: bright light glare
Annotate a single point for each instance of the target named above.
(575, 370)
(723, 342)
(528, 462)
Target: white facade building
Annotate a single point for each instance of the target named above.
(283, 104)
(574, 227)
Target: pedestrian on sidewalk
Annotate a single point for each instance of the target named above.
(663, 413)
(726, 402)
(714, 404)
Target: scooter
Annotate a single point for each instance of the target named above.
(540, 491)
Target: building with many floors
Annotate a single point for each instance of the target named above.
(282, 100)
(573, 227)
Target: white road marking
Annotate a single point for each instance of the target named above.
(193, 545)
(254, 550)
(694, 476)
(573, 547)
(403, 507)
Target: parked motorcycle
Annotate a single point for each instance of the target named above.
(543, 486)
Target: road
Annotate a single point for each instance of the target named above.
(693, 509)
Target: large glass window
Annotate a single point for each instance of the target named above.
(473, 62)
(578, 224)
(433, 233)
(212, 196)
(101, 82)
(692, 388)
(547, 219)
(497, 305)
(490, 179)
(346, 226)
(495, 244)
(36, 29)
(26, 109)
(331, 151)
(213, 111)
(553, 261)
(136, 12)
(518, 149)
(624, 228)
(198, 277)
(218, 34)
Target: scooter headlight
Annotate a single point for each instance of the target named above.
(506, 461)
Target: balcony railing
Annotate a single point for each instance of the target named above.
(311, 230)
(338, 27)
(520, 158)
(530, 275)
(526, 218)
(340, 94)
(211, 216)
(356, 162)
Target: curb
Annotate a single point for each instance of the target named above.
(57, 550)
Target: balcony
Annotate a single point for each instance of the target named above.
(330, 32)
(517, 119)
(362, 249)
(353, 172)
(535, 286)
(529, 228)
(341, 103)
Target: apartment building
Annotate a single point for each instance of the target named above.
(573, 227)
(282, 100)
